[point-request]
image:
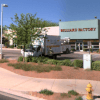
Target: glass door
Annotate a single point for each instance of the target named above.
(77, 46)
(80, 46)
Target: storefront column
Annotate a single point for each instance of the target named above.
(82, 45)
(75, 45)
(90, 44)
(79, 46)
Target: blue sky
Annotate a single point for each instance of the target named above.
(52, 10)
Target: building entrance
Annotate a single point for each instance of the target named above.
(79, 46)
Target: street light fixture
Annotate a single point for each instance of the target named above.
(95, 17)
(2, 5)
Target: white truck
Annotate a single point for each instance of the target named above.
(48, 46)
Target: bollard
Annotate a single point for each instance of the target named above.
(89, 91)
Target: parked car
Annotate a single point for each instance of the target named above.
(28, 52)
(34, 51)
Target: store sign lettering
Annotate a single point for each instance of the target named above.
(79, 29)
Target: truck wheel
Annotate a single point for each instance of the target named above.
(67, 51)
(54, 56)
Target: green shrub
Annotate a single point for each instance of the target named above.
(65, 94)
(35, 59)
(78, 63)
(96, 65)
(73, 49)
(50, 61)
(19, 47)
(43, 69)
(6, 44)
(72, 92)
(10, 64)
(88, 69)
(76, 67)
(79, 98)
(45, 91)
(38, 59)
(41, 59)
(69, 95)
(26, 59)
(84, 49)
(60, 63)
(72, 64)
(29, 59)
(97, 51)
(57, 68)
(45, 60)
(3, 60)
(17, 66)
(55, 62)
(39, 68)
(90, 49)
(12, 46)
(67, 62)
(26, 67)
(20, 58)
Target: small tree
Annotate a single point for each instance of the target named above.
(25, 27)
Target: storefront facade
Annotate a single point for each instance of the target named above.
(83, 34)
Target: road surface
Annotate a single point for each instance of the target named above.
(6, 96)
(14, 54)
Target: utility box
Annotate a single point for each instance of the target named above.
(87, 61)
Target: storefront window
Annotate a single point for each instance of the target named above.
(80, 46)
(95, 43)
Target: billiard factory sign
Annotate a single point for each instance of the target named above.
(79, 29)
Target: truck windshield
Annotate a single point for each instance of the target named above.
(36, 46)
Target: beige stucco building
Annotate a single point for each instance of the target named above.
(10, 40)
(49, 31)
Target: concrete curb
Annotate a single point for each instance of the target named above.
(84, 98)
(26, 96)
(20, 94)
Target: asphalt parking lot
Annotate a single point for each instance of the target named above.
(11, 54)
(14, 54)
(70, 56)
(73, 56)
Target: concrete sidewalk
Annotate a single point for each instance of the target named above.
(15, 82)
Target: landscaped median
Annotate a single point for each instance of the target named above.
(45, 60)
(43, 67)
(49, 95)
(46, 64)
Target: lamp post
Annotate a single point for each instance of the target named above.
(2, 5)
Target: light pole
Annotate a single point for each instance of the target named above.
(2, 5)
